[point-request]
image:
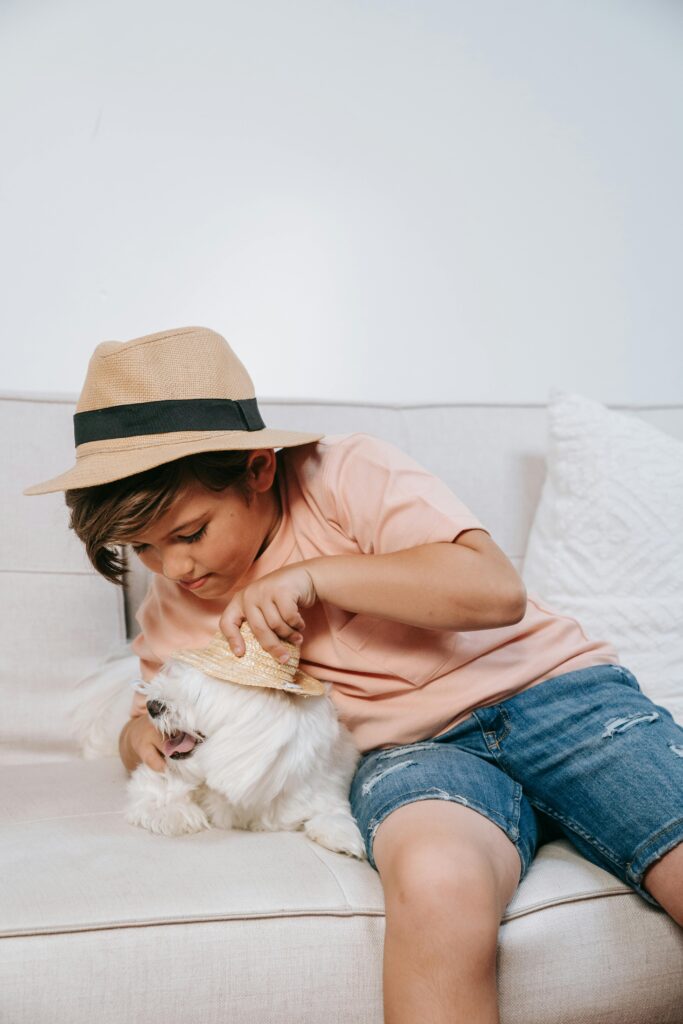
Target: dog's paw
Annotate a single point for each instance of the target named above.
(336, 831)
(217, 809)
(168, 820)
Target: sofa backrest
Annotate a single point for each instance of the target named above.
(61, 619)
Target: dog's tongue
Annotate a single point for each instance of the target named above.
(180, 743)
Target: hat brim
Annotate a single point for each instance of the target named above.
(256, 668)
(106, 461)
(301, 685)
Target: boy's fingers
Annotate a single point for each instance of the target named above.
(291, 618)
(154, 758)
(157, 763)
(286, 626)
(265, 631)
(231, 631)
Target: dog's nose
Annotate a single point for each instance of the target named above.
(155, 707)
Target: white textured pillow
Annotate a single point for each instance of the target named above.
(606, 543)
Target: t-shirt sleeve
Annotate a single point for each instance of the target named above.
(386, 501)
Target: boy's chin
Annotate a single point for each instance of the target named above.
(211, 588)
(217, 588)
(214, 589)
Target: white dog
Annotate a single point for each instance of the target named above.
(247, 757)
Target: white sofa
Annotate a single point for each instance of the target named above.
(103, 921)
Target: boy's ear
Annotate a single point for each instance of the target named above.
(261, 468)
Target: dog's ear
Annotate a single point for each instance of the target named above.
(244, 767)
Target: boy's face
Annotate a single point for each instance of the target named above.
(214, 533)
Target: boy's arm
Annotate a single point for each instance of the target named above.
(465, 584)
(128, 756)
(128, 753)
(141, 742)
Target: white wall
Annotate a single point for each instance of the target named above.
(386, 200)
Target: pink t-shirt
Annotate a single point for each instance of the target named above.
(393, 683)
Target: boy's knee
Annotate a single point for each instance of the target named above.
(435, 901)
(433, 878)
(443, 854)
(444, 873)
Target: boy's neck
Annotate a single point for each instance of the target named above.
(275, 523)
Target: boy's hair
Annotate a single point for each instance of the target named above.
(107, 516)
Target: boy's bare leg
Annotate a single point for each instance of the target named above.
(664, 881)
(448, 873)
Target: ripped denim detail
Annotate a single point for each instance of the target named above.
(367, 786)
(622, 724)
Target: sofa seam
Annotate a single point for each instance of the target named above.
(164, 922)
(279, 915)
(567, 901)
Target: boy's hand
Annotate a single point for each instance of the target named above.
(271, 607)
(143, 743)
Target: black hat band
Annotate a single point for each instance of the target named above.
(167, 417)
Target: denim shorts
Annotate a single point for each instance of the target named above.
(584, 756)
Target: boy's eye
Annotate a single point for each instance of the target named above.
(137, 548)
(195, 536)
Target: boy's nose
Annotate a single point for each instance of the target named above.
(180, 569)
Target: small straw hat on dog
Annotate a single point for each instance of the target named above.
(256, 667)
(159, 398)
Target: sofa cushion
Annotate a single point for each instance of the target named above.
(606, 543)
(247, 926)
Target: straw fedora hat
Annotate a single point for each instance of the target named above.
(158, 398)
(256, 667)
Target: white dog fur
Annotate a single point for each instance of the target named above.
(263, 760)
(100, 703)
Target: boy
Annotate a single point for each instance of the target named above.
(398, 595)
